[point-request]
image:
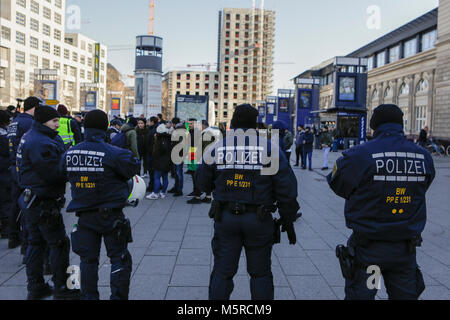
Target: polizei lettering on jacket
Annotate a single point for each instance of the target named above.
(400, 166)
(84, 161)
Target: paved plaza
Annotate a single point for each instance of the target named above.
(172, 256)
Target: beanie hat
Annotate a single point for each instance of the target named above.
(386, 113)
(45, 113)
(132, 121)
(62, 109)
(4, 117)
(245, 116)
(96, 119)
(32, 102)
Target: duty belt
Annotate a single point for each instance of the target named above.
(103, 211)
(241, 208)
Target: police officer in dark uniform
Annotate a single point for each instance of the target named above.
(244, 201)
(5, 175)
(99, 173)
(38, 161)
(384, 183)
(19, 126)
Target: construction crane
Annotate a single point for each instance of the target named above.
(205, 65)
(151, 18)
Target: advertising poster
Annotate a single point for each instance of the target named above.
(115, 106)
(347, 88)
(90, 100)
(46, 89)
(304, 100)
(284, 105)
(139, 91)
(271, 108)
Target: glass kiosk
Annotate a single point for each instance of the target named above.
(349, 102)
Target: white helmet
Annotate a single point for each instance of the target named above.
(138, 190)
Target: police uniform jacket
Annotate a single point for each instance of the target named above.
(5, 175)
(98, 173)
(236, 176)
(38, 162)
(384, 182)
(20, 125)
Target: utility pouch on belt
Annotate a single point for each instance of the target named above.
(414, 243)
(216, 211)
(123, 229)
(277, 231)
(265, 212)
(346, 256)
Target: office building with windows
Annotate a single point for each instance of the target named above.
(34, 46)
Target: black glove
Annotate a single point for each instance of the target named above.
(289, 229)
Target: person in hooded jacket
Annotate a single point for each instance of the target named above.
(161, 162)
(141, 132)
(131, 135)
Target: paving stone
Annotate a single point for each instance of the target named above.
(190, 276)
(310, 288)
(156, 265)
(187, 293)
(298, 267)
(160, 248)
(149, 287)
(194, 257)
(196, 242)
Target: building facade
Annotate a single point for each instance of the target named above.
(245, 58)
(196, 83)
(410, 67)
(33, 41)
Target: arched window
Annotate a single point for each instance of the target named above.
(375, 95)
(404, 89)
(422, 86)
(387, 92)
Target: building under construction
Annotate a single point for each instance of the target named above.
(245, 58)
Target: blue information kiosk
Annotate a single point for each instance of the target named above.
(347, 107)
(285, 107)
(307, 101)
(271, 109)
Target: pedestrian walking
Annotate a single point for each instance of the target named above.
(308, 140)
(326, 141)
(299, 147)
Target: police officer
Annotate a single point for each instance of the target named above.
(243, 205)
(384, 183)
(68, 130)
(5, 175)
(99, 173)
(38, 160)
(21, 124)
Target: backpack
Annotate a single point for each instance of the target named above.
(119, 140)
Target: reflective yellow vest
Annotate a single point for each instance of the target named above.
(65, 131)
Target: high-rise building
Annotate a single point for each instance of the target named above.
(245, 58)
(34, 46)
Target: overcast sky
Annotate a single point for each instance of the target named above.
(307, 32)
